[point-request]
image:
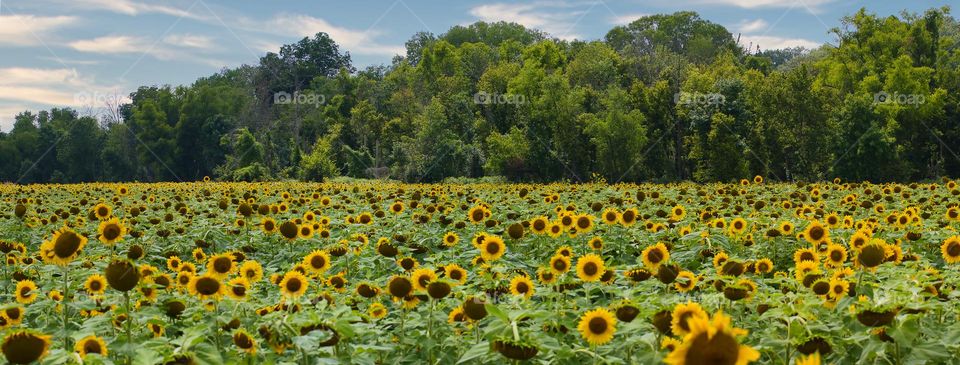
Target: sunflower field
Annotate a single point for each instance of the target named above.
(385, 273)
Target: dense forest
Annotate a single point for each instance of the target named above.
(664, 98)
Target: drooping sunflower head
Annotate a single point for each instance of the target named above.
(244, 341)
(24, 347)
(64, 247)
(400, 286)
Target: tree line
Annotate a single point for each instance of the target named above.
(665, 98)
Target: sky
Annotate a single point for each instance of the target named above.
(88, 53)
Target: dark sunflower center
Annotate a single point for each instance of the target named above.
(722, 349)
(269, 226)
(655, 256)
(222, 265)
(207, 286)
(836, 255)
(597, 325)
(288, 230)
(67, 244)
(456, 275)
(318, 262)
(111, 231)
(628, 216)
(423, 280)
(953, 249)
(522, 288)
(611, 216)
(102, 211)
(25, 291)
(590, 268)
(539, 225)
(583, 223)
(92, 347)
(493, 248)
(806, 256)
(243, 341)
(294, 285)
(816, 233)
(239, 290)
(477, 215)
(559, 265)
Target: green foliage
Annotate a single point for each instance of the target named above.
(667, 97)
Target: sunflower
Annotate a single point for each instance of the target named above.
(583, 223)
(456, 273)
(268, 225)
(836, 255)
(450, 239)
(763, 266)
(555, 230)
(685, 281)
(13, 315)
(590, 267)
(838, 288)
(804, 268)
(173, 263)
(399, 286)
(305, 231)
(102, 211)
(559, 264)
(539, 225)
(493, 248)
(289, 230)
(422, 277)
(786, 228)
(293, 284)
(317, 261)
(712, 342)
(816, 233)
(91, 345)
(719, 259)
(221, 265)
(677, 213)
(206, 287)
(198, 255)
(681, 314)
(629, 217)
(521, 285)
(738, 226)
(26, 291)
(111, 231)
(655, 255)
(610, 216)
(251, 270)
(596, 243)
(873, 254)
(805, 254)
(244, 341)
(64, 247)
(546, 276)
(597, 326)
(377, 310)
(238, 288)
(24, 347)
(478, 214)
(950, 250)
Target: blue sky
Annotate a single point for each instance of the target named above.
(83, 53)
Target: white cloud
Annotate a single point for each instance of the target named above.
(558, 18)
(130, 7)
(189, 41)
(122, 44)
(356, 41)
(772, 42)
(752, 26)
(626, 18)
(753, 4)
(23, 30)
(111, 44)
(52, 87)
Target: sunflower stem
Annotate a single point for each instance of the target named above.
(126, 326)
(66, 306)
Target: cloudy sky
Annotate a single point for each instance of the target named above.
(78, 52)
